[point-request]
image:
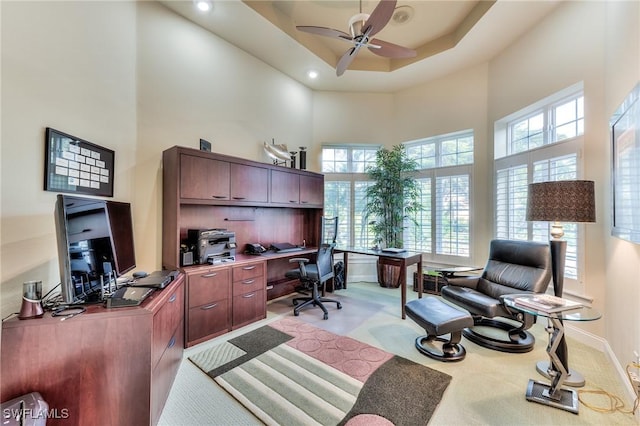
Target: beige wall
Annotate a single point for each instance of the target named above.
(66, 66)
(192, 85)
(155, 80)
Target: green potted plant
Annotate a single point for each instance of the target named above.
(393, 197)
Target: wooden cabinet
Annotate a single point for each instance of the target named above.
(295, 189)
(204, 178)
(285, 187)
(105, 366)
(222, 298)
(259, 202)
(312, 190)
(208, 304)
(249, 293)
(249, 183)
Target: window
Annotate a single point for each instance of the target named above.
(345, 185)
(442, 228)
(542, 144)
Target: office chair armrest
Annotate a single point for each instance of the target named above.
(469, 281)
(301, 262)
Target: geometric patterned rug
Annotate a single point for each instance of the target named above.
(292, 373)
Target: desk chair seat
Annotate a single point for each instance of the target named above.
(313, 277)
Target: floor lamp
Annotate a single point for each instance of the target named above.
(561, 201)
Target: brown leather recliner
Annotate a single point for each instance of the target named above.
(514, 267)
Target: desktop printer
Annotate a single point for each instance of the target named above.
(213, 246)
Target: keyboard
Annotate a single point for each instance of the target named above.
(285, 247)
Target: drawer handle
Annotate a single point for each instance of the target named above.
(304, 202)
(239, 198)
(248, 268)
(248, 296)
(213, 274)
(173, 298)
(248, 281)
(205, 308)
(219, 196)
(172, 342)
(293, 201)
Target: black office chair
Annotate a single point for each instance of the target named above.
(329, 231)
(313, 277)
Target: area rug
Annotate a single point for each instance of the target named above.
(292, 373)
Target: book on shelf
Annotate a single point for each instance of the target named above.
(547, 303)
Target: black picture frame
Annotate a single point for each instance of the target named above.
(625, 168)
(76, 166)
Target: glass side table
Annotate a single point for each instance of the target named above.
(553, 394)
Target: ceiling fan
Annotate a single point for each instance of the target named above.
(363, 27)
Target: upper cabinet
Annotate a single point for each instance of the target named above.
(203, 178)
(215, 179)
(296, 189)
(312, 190)
(249, 183)
(285, 187)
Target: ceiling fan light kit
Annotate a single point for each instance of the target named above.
(363, 27)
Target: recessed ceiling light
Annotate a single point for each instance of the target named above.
(312, 74)
(203, 5)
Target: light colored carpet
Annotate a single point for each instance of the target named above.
(488, 387)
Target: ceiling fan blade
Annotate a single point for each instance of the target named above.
(323, 31)
(345, 61)
(379, 17)
(390, 50)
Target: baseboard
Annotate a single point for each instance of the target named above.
(602, 345)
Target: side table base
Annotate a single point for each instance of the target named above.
(539, 392)
(574, 379)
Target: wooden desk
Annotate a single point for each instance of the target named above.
(402, 260)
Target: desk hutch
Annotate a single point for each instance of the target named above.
(261, 203)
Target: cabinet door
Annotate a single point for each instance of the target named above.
(311, 190)
(207, 286)
(203, 178)
(285, 187)
(249, 183)
(209, 303)
(208, 320)
(249, 307)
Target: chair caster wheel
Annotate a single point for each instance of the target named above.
(295, 303)
(339, 306)
(326, 316)
(296, 313)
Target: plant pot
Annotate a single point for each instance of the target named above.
(388, 275)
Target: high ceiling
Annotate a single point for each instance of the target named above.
(447, 35)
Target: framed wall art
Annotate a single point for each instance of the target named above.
(625, 170)
(76, 166)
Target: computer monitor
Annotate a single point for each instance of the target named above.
(95, 245)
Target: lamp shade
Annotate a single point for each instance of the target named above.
(562, 201)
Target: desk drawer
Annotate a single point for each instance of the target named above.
(248, 285)
(165, 322)
(248, 271)
(248, 308)
(205, 287)
(208, 319)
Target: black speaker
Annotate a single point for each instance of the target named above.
(186, 258)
